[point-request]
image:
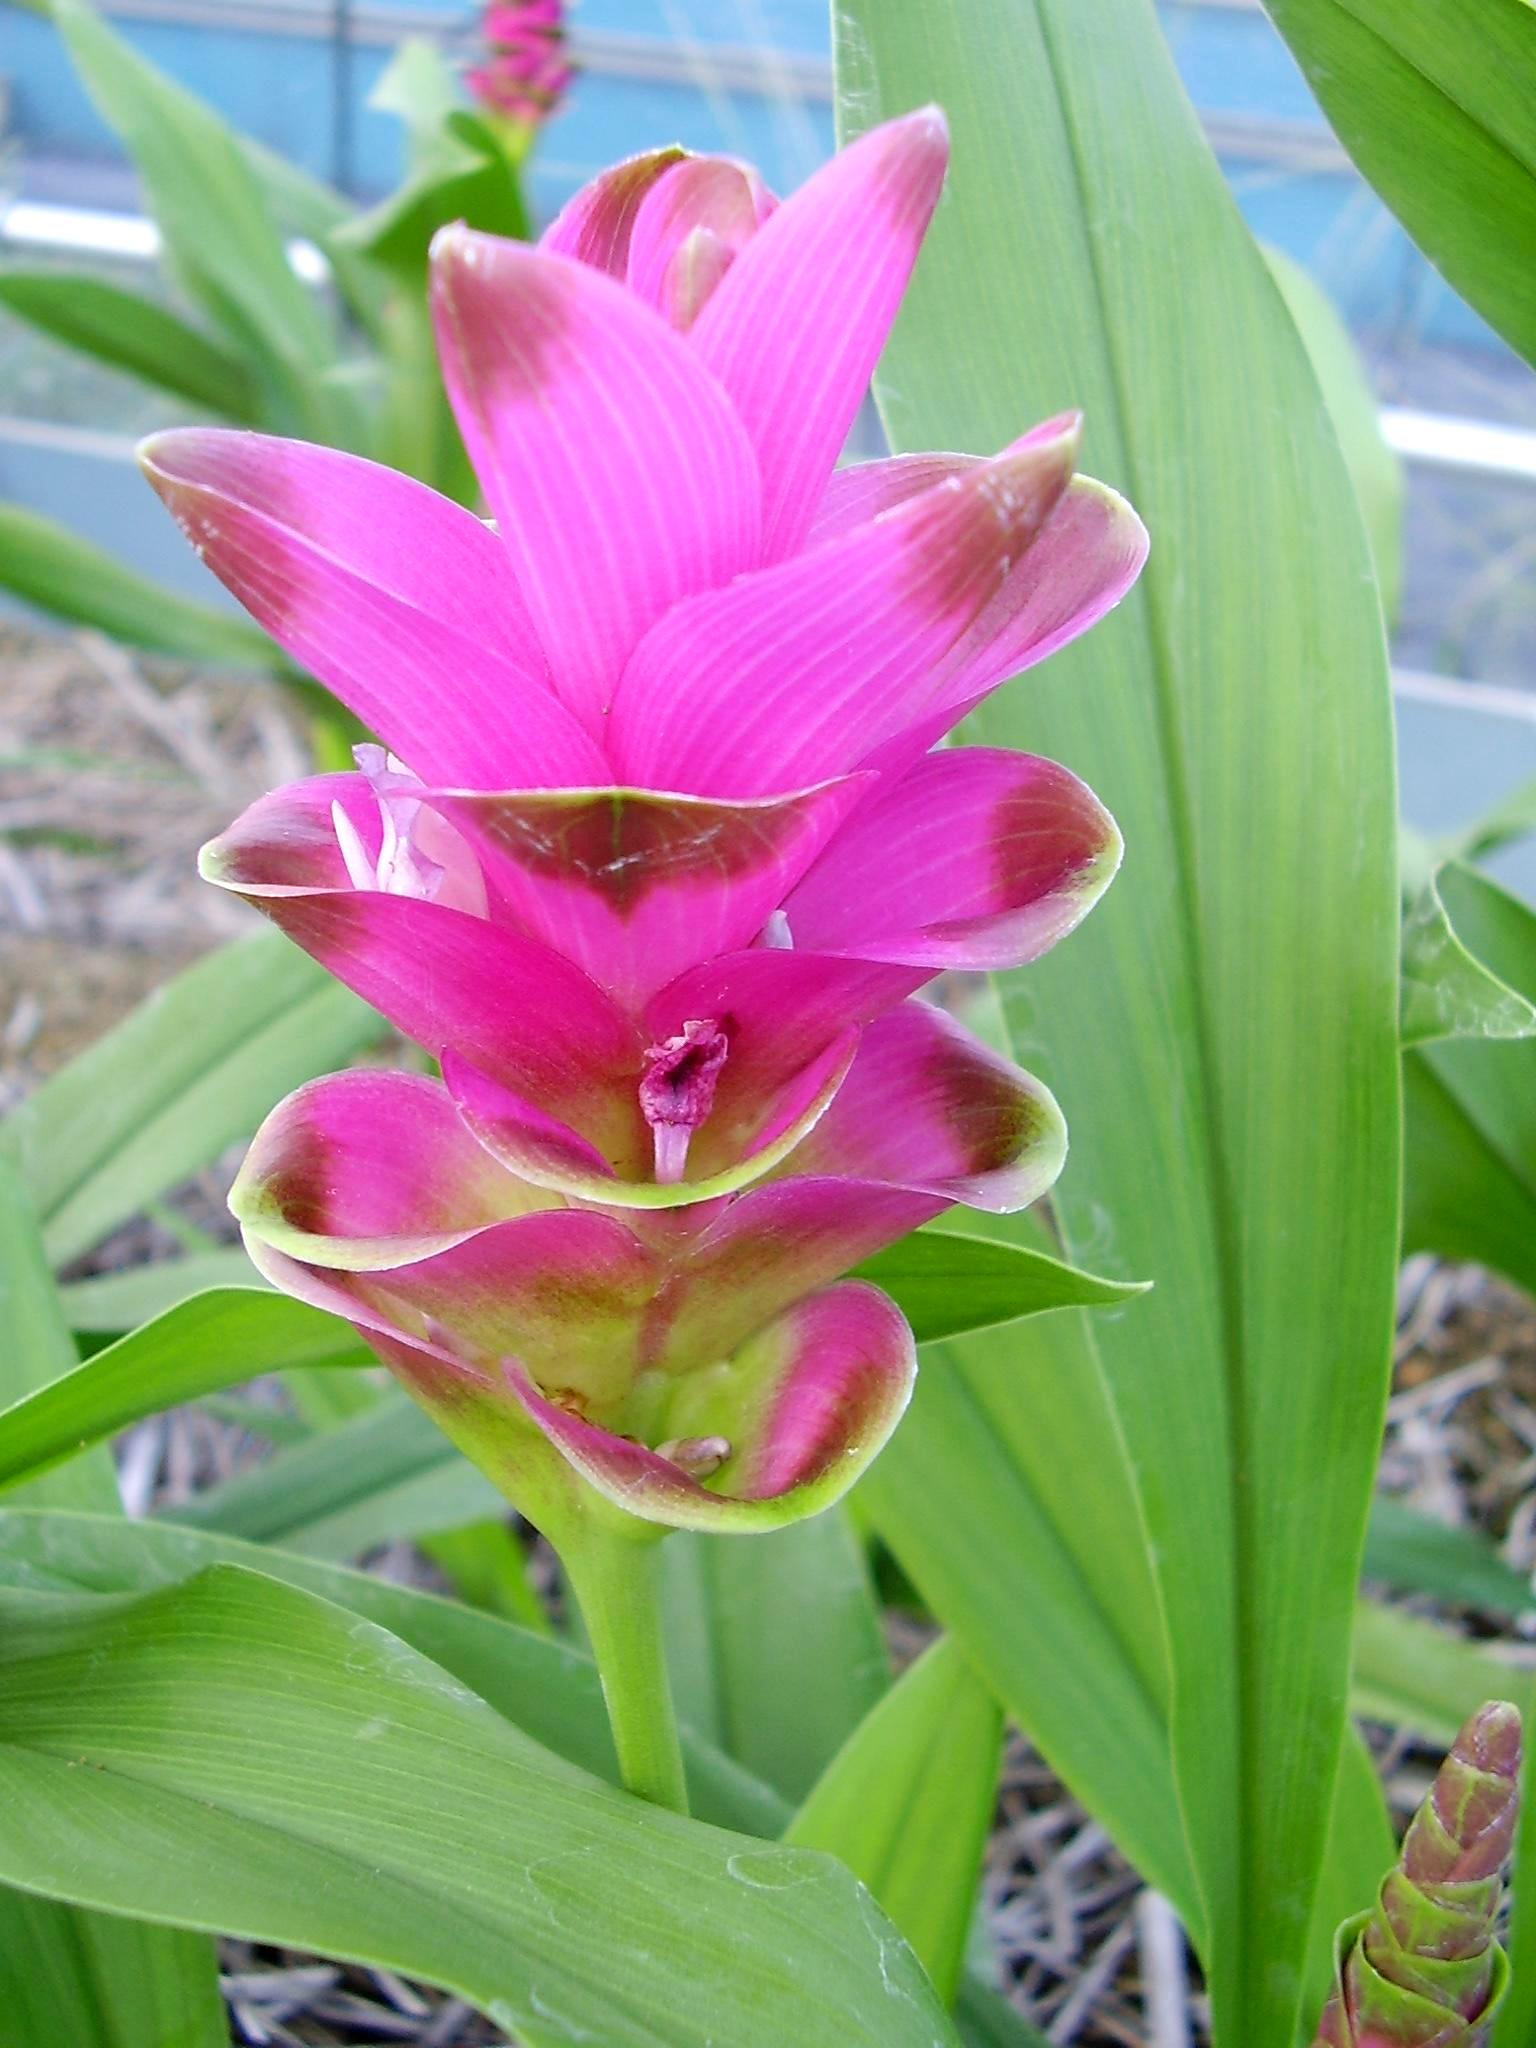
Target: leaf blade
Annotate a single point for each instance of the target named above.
(232, 1789)
(1214, 1089)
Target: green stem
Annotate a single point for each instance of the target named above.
(614, 1580)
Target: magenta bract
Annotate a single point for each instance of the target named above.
(654, 856)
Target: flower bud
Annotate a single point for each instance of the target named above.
(1423, 1970)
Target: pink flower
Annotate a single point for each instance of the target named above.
(526, 73)
(659, 855)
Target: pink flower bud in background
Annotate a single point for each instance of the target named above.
(525, 72)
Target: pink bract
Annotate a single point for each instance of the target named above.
(654, 856)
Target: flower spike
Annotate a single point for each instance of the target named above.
(1423, 1969)
(651, 855)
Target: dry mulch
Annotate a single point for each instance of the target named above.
(112, 771)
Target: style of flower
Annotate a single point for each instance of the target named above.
(656, 851)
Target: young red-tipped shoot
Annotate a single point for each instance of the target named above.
(1422, 1969)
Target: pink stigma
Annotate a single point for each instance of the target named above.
(677, 1090)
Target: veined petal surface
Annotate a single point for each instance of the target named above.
(795, 326)
(595, 224)
(371, 1170)
(759, 1132)
(449, 980)
(637, 885)
(562, 1289)
(689, 229)
(975, 858)
(399, 600)
(807, 667)
(927, 1106)
(620, 477)
(800, 1409)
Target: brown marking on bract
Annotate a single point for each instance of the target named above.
(1042, 837)
(603, 238)
(964, 535)
(622, 844)
(991, 1118)
(507, 311)
(299, 1188)
(222, 506)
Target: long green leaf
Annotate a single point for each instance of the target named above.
(1222, 1033)
(1006, 1497)
(1448, 990)
(215, 1340)
(1374, 469)
(542, 1686)
(219, 235)
(1470, 1180)
(131, 333)
(775, 1645)
(907, 1804)
(1415, 1674)
(948, 1282)
(261, 1761)
(1412, 1554)
(50, 567)
(135, 1294)
(1361, 1846)
(73, 1979)
(1434, 105)
(69, 1976)
(192, 1069)
(380, 1476)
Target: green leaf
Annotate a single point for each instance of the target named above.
(907, 1804)
(1007, 1498)
(1512, 818)
(1361, 1848)
(1434, 105)
(1410, 1553)
(1448, 991)
(70, 1979)
(263, 1762)
(382, 1476)
(775, 1646)
(1470, 1180)
(946, 1282)
(214, 1340)
(220, 238)
(1222, 1032)
(987, 2020)
(458, 170)
(542, 1686)
(48, 566)
(1412, 1674)
(189, 1071)
(39, 1355)
(1373, 467)
(131, 333)
(121, 1301)
(68, 1976)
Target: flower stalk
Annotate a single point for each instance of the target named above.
(1423, 1969)
(613, 1576)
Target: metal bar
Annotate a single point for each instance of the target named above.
(1480, 448)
